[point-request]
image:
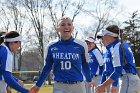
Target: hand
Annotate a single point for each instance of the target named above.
(100, 89)
(8, 89)
(91, 84)
(113, 89)
(21, 82)
(34, 89)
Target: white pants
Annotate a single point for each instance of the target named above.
(3, 86)
(129, 83)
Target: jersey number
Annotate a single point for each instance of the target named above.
(65, 65)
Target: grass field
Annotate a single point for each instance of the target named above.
(44, 88)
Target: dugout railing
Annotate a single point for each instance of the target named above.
(29, 76)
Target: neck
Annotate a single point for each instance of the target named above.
(110, 40)
(66, 38)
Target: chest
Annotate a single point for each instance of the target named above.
(66, 52)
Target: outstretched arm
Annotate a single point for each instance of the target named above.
(10, 80)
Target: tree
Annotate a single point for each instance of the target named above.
(132, 33)
(13, 20)
(60, 8)
(104, 12)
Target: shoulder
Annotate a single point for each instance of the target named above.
(117, 45)
(80, 42)
(3, 48)
(126, 44)
(96, 51)
(53, 42)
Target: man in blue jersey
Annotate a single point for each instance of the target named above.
(12, 41)
(68, 58)
(125, 70)
(95, 63)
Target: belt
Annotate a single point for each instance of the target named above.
(70, 82)
(96, 75)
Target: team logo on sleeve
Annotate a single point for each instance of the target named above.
(76, 47)
(54, 49)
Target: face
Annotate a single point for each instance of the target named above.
(65, 28)
(106, 40)
(90, 45)
(14, 46)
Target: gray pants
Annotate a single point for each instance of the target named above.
(129, 83)
(3, 86)
(96, 80)
(69, 88)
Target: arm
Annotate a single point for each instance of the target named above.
(114, 87)
(85, 65)
(115, 83)
(47, 68)
(103, 78)
(86, 71)
(113, 77)
(45, 72)
(10, 80)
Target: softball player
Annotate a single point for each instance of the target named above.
(95, 63)
(68, 57)
(126, 70)
(108, 69)
(12, 41)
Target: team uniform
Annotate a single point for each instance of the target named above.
(108, 67)
(6, 77)
(130, 82)
(68, 59)
(95, 64)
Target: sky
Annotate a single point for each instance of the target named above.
(130, 5)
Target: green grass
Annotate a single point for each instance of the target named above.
(44, 88)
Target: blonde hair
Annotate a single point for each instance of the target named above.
(63, 18)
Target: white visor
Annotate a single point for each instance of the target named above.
(106, 32)
(19, 38)
(89, 39)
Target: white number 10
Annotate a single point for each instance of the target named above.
(65, 65)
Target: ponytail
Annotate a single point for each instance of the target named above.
(122, 46)
(2, 37)
(1, 40)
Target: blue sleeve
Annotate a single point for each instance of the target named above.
(86, 71)
(115, 83)
(91, 69)
(103, 79)
(16, 79)
(117, 72)
(46, 70)
(10, 80)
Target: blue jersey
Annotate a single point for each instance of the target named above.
(68, 58)
(6, 61)
(96, 62)
(117, 60)
(108, 65)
